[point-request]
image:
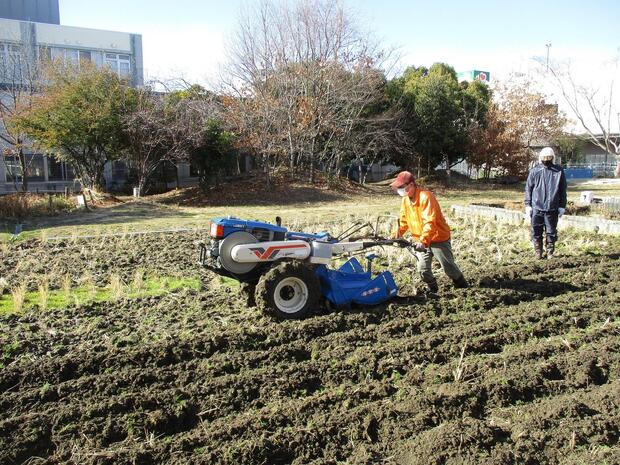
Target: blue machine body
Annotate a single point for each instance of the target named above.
(232, 225)
(351, 284)
(321, 237)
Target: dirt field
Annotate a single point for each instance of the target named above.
(522, 368)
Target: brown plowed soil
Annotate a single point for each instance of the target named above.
(521, 368)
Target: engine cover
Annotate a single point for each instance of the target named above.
(270, 251)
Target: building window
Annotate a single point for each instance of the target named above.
(194, 171)
(13, 168)
(119, 63)
(72, 55)
(11, 61)
(119, 170)
(97, 58)
(10, 52)
(59, 170)
(55, 170)
(45, 53)
(67, 55)
(35, 167)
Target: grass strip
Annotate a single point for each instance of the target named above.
(59, 298)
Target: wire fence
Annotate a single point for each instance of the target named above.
(609, 205)
(599, 170)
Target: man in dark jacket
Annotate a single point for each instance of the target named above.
(545, 201)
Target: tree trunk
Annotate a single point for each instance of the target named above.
(617, 170)
(96, 180)
(99, 185)
(141, 184)
(22, 164)
(266, 170)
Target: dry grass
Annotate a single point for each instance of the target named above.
(137, 283)
(18, 294)
(88, 281)
(460, 367)
(117, 287)
(26, 205)
(44, 293)
(65, 285)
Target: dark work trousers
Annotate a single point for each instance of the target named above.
(547, 221)
(443, 252)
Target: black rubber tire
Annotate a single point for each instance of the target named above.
(266, 287)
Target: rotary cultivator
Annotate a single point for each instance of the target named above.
(288, 272)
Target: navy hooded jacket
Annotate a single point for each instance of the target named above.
(545, 189)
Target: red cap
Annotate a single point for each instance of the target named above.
(403, 178)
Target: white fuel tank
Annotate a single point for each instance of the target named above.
(270, 251)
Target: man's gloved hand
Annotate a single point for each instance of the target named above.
(528, 213)
(419, 247)
(561, 212)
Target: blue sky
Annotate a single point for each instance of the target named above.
(188, 36)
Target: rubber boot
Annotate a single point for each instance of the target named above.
(550, 250)
(432, 289)
(538, 248)
(460, 283)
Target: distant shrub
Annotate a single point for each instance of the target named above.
(23, 205)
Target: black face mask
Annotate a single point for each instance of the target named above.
(547, 163)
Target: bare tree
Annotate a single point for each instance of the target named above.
(19, 83)
(302, 78)
(184, 123)
(150, 136)
(496, 146)
(517, 120)
(595, 107)
(528, 114)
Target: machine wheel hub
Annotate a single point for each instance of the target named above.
(291, 294)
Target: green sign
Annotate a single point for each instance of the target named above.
(483, 76)
(474, 75)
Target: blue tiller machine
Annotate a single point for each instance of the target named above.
(288, 272)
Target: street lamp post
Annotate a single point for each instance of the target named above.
(548, 47)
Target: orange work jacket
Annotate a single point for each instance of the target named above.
(421, 215)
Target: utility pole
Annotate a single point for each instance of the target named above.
(548, 47)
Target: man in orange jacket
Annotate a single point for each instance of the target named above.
(421, 215)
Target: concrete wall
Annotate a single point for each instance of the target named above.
(137, 67)
(50, 34)
(9, 31)
(517, 218)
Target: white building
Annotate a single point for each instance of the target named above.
(30, 30)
